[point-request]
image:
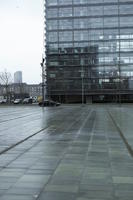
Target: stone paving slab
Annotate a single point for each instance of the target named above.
(80, 156)
(123, 116)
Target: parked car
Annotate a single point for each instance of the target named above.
(49, 103)
(27, 100)
(17, 101)
(2, 101)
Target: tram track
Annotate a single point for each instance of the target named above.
(35, 117)
(28, 137)
(129, 148)
(11, 119)
(51, 117)
(21, 141)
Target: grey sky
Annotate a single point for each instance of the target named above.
(21, 37)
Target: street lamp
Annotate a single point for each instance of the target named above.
(82, 77)
(119, 61)
(43, 79)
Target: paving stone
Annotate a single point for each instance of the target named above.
(35, 178)
(57, 196)
(97, 194)
(24, 191)
(2, 191)
(17, 197)
(85, 198)
(5, 185)
(108, 188)
(62, 188)
(123, 180)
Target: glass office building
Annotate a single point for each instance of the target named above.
(89, 50)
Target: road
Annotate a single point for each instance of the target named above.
(69, 152)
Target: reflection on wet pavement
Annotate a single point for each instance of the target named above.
(77, 153)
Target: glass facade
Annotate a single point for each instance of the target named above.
(89, 50)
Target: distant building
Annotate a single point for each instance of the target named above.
(18, 77)
(23, 90)
(34, 90)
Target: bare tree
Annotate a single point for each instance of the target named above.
(6, 80)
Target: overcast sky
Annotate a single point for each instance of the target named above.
(21, 37)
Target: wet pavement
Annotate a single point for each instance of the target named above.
(70, 152)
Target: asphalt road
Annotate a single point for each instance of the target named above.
(70, 152)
